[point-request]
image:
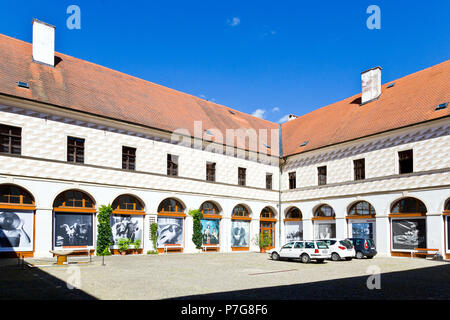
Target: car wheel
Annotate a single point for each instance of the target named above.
(359, 255)
(335, 257)
(320, 260)
(305, 258)
(275, 256)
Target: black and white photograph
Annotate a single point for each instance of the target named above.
(240, 231)
(126, 227)
(16, 231)
(170, 231)
(73, 230)
(294, 230)
(408, 234)
(324, 231)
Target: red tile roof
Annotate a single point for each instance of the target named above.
(87, 87)
(411, 100)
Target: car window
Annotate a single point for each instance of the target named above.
(358, 242)
(309, 245)
(321, 245)
(332, 242)
(298, 245)
(346, 243)
(370, 243)
(288, 245)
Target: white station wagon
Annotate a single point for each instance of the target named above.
(303, 250)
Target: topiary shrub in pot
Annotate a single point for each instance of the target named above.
(123, 245)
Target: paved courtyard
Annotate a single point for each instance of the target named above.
(224, 276)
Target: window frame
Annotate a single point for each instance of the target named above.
(172, 165)
(359, 172)
(292, 180)
(321, 177)
(76, 149)
(211, 171)
(242, 176)
(9, 137)
(402, 159)
(126, 158)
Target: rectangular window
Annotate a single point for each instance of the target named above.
(10, 139)
(269, 181)
(128, 158)
(405, 161)
(359, 167)
(210, 171)
(292, 180)
(241, 176)
(75, 150)
(322, 175)
(172, 165)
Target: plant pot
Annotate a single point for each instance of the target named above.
(262, 250)
(123, 253)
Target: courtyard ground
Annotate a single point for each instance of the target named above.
(208, 276)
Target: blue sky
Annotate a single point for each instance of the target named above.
(279, 57)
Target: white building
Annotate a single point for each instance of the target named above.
(76, 136)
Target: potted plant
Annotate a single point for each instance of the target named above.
(137, 246)
(123, 245)
(262, 241)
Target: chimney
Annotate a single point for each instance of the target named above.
(371, 85)
(43, 43)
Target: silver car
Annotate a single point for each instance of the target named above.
(305, 250)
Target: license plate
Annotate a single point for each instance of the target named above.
(325, 251)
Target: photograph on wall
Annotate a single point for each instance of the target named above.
(16, 230)
(210, 231)
(240, 233)
(127, 227)
(324, 230)
(73, 229)
(408, 234)
(293, 230)
(363, 230)
(170, 231)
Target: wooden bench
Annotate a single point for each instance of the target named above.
(61, 254)
(173, 247)
(207, 247)
(424, 252)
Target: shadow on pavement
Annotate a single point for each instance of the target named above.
(21, 282)
(425, 283)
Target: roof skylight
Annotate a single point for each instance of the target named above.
(441, 106)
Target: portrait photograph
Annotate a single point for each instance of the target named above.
(210, 231)
(240, 231)
(408, 234)
(294, 230)
(126, 227)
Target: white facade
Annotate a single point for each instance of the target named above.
(382, 186)
(43, 170)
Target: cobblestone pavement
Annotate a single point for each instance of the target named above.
(224, 276)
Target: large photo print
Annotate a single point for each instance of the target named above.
(16, 231)
(210, 231)
(363, 230)
(170, 231)
(127, 227)
(408, 234)
(240, 233)
(294, 230)
(74, 230)
(324, 231)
